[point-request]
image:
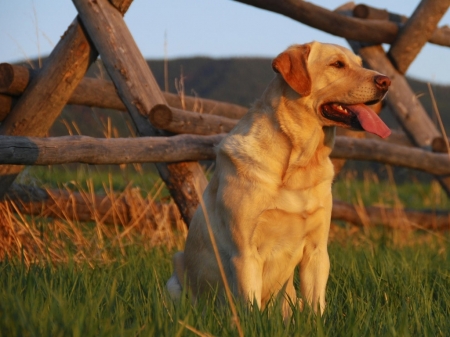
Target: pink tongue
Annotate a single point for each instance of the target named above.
(369, 120)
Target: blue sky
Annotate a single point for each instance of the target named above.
(215, 28)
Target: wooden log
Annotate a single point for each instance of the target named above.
(441, 36)
(48, 92)
(14, 79)
(381, 151)
(206, 106)
(416, 32)
(440, 145)
(121, 5)
(397, 218)
(371, 31)
(102, 94)
(121, 209)
(180, 121)
(139, 91)
(187, 122)
(70, 149)
(6, 103)
(367, 12)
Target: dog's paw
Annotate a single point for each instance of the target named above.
(174, 287)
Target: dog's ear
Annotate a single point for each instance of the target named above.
(291, 64)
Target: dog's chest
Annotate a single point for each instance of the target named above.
(304, 191)
(300, 202)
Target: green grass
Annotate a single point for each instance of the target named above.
(98, 177)
(408, 195)
(57, 175)
(374, 290)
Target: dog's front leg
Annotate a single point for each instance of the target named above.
(248, 276)
(314, 270)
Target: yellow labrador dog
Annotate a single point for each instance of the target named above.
(269, 200)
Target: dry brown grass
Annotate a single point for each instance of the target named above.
(116, 221)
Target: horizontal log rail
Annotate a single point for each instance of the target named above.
(388, 153)
(180, 121)
(371, 31)
(187, 122)
(89, 150)
(392, 217)
(83, 149)
(118, 209)
(101, 93)
(123, 208)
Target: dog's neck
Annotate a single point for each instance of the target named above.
(298, 121)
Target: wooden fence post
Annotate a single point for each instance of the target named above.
(416, 32)
(139, 92)
(48, 92)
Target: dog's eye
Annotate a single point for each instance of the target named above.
(338, 64)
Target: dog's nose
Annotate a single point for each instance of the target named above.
(382, 82)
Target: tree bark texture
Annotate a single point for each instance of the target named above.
(89, 150)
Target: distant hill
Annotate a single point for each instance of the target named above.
(236, 80)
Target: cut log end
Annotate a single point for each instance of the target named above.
(13, 79)
(160, 116)
(6, 76)
(367, 12)
(439, 145)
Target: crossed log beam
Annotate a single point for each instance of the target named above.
(48, 91)
(357, 29)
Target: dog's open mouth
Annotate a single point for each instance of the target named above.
(357, 117)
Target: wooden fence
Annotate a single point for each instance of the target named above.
(31, 100)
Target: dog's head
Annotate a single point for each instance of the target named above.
(332, 80)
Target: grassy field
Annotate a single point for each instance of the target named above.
(383, 282)
(375, 289)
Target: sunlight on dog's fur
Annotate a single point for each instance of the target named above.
(269, 199)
